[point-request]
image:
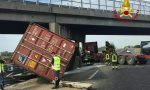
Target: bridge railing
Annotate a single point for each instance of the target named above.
(111, 5)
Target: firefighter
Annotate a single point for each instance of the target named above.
(56, 69)
(87, 58)
(1, 74)
(114, 60)
(107, 58)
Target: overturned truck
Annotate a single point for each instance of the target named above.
(35, 48)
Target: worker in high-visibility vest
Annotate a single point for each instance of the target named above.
(114, 61)
(1, 74)
(56, 69)
(107, 59)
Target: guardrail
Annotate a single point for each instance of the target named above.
(142, 6)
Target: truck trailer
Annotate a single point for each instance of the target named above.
(133, 56)
(91, 54)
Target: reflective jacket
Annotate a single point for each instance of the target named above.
(107, 57)
(1, 67)
(114, 58)
(56, 63)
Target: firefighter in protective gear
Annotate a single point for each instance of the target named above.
(87, 58)
(107, 59)
(1, 74)
(56, 69)
(114, 61)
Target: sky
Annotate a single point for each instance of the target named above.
(118, 40)
(9, 41)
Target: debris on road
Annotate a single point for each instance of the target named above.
(35, 83)
(22, 85)
(77, 85)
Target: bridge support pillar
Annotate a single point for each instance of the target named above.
(65, 31)
(60, 29)
(54, 27)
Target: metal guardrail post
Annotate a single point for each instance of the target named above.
(114, 5)
(23, 1)
(149, 10)
(37, 1)
(99, 7)
(81, 4)
(71, 3)
(140, 7)
(49, 4)
(106, 4)
(144, 8)
(90, 4)
(61, 2)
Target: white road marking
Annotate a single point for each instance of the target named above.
(82, 69)
(93, 74)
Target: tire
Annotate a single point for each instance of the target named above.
(121, 60)
(130, 60)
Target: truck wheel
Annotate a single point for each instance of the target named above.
(121, 60)
(130, 60)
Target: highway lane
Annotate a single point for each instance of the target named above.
(127, 77)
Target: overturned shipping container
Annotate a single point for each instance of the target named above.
(35, 48)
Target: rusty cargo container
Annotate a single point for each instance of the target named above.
(35, 48)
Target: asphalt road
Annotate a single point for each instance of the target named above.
(134, 77)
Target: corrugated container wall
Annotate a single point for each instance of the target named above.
(35, 48)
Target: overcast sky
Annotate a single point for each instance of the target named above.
(10, 42)
(118, 40)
